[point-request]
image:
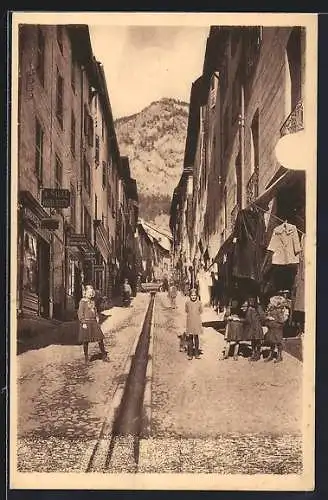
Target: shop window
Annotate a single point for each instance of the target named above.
(40, 55)
(97, 151)
(87, 223)
(58, 173)
(73, 133)
(39, 142)
(86, 176)
(60, 36)
(60, 99)
(104, 174)
(30, 276)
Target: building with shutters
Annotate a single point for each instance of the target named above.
(66, 140)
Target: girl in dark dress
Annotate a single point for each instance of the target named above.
(254, 319)
(277, 315)
(90, 330)
(234, 332)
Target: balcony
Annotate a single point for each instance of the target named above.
(294, 122)
(252, 188)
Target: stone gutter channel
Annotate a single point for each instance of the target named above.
(128, 417)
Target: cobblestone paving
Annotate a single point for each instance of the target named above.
(61, 401)
(219, 416)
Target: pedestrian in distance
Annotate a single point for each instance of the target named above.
(234, 332)
(194, 327)
(90, 330)
(126, 292)
(172, 294)
(254, 320)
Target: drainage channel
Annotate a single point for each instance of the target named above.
(122, 449)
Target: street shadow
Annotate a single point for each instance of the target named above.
(63, 334)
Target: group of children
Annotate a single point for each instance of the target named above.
(248, 322)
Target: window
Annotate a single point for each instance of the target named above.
(109, 195)
(96, 207)
(73, 129)
(73, 81)
(97, 150)
(87, 223)
(255, 143)
(60, 38)
(104, 174)
(226, 130)
(254, 41)
(73, 206)
(102, 127)
(88, 126)
(86, 176)
(40, 55)
(59, 98)
(236, 98)
(39, 138)
(58, 173)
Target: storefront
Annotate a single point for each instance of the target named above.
(265, 253)
(34, 294)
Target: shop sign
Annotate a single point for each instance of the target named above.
(76, 240)
(55, 198)
(50, 224)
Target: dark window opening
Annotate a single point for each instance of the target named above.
(60, 99)
(73, 133)
(39, 140)
(40, 55)
(87, 176)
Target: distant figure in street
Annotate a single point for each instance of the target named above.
(126, 292)
(194, 327)
(234, 332)
(90, 330)
(254, 319)
(172, 294)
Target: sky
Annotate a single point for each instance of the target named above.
(145, 63)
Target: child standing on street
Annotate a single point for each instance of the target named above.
(194, 328)
(277, 315)
(90, 330)
(234, 332)
(254, 318)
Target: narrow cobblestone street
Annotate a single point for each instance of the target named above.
(62, 402)
(219, 416)
(207, 415)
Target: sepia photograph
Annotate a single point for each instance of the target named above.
(163, 244)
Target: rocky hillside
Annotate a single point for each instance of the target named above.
(154, 141)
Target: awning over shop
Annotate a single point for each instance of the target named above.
(286, 178)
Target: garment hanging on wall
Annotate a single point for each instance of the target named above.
(285, 245)
(249, 246)
(300, 280)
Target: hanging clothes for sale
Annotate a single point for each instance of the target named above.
(300, 280)
(285, 245)
(249, 244)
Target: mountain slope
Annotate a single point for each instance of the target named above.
(154, 141)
